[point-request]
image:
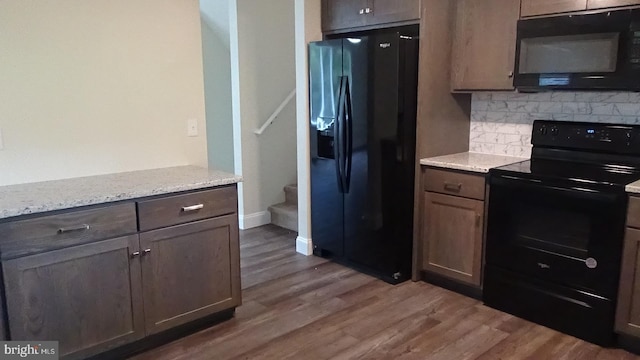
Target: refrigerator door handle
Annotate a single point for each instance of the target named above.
(400, 143)
(349, 135)
(337, 138)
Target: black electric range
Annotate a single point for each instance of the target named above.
(556, 227)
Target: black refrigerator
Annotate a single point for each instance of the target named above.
(363, 103)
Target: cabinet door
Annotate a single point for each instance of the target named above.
(389, 11)
(86, 297)
(542, 7)
(190, 271)
(452, 231)
(484, 45)
(599, 4)
(343, 14)
(628, 313)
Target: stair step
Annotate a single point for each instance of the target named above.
(291, 194)
(285, 215)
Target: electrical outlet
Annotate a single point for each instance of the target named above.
(192, 127)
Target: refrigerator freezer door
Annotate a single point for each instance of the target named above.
(379, 204)
(325, 76)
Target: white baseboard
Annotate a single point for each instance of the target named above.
(304, 246)
(254, 220)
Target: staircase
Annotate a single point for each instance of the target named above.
(286, 214)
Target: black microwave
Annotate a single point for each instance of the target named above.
(595, 51)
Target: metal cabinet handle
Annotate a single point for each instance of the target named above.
(368, 10)
(135, 254)
(452, 186)
(478, 217)
(192, 208)
(510, 74)
(361, 12)
(82, 227)
(146, 251)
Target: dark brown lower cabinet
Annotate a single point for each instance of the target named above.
(190, 271)
(628, 313)
(87, 297)
(95, 295)
(453, 234)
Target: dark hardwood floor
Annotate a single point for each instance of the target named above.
(298, 307)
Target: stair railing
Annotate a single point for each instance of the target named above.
(275, 114)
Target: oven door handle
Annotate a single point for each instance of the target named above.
(539, 185)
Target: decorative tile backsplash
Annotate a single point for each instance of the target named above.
(501, 122)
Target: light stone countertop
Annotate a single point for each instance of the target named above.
(634, 187)
(45, 196)
(470, 161)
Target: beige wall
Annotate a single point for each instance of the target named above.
(100, 86)
(308, 29)
(217, 82)
(263, 74)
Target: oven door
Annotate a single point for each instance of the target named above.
(592, 51)
(567, 235)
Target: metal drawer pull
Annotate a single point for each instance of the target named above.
(146, 251)
(452, 187)
(193, 208)
(82, 227)
(135, 254)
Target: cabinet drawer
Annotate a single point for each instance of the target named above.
(22, 237)
(633, 212)
(454, 183)
(179, 209)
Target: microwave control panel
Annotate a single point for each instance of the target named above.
(634, 45)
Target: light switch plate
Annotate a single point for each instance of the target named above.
(192, 127)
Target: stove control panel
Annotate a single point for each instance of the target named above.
(617, 138)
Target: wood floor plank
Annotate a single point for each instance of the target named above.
(352, 281)
(521, 342)
(408, 307)
(257, 275)
(313, 334)
(377, 346)
(555, 348)
(283, 283)
(325, 348)
(298, 307)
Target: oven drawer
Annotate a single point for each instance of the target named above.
(454, 183)
(179, 209)
(45, 233)
(575, 312)
(633, 213)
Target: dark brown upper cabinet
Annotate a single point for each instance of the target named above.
(543, 7)
(600, 4)
(484, 45)
(552, 7)
(348, 14)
